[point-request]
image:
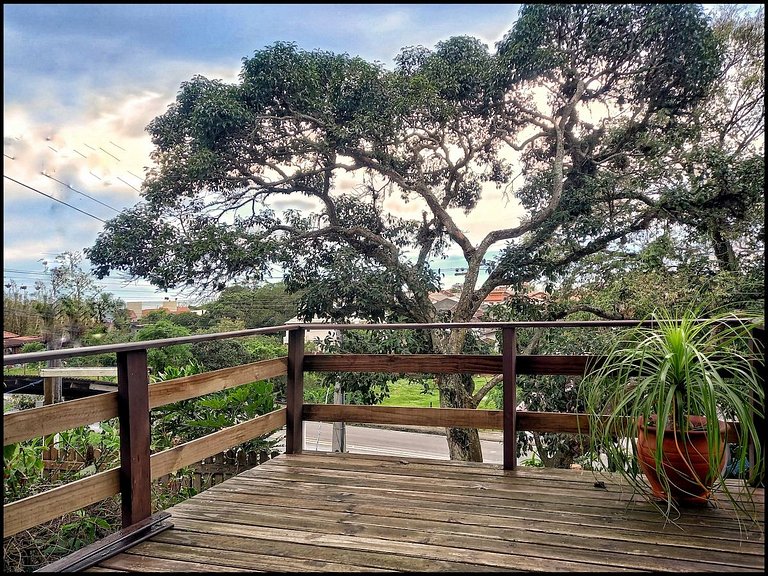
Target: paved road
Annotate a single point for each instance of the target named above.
(362, 440)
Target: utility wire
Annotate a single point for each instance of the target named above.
(131, 185)
(54, 199)
(78, 191)
(35, 383)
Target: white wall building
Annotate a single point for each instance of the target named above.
(317, 335)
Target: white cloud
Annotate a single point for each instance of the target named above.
(82, 83)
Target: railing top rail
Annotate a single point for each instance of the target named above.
(144, 344)
(139, 345)
(487, 325)
(500, 325)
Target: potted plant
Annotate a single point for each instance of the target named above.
(659, 404)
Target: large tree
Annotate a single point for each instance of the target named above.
(706, 253)
(267, 305)
(718, 170)
(571, 116)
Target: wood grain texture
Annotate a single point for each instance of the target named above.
(169, 391)
(46, 420)
(294, 393)
(509, 397)
(34, 510)
(446, 363)
(314, 512)
(456, 417)
(188, 453)
(135, 435)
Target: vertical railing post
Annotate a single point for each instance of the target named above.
(509, 375)
(294, 394)
(133, 414)
(757, 344)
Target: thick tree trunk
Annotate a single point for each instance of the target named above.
(726, 258)
(456, 392)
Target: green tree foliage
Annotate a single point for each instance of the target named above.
(160, 359)
(719, 170)
(187, 420)
(158, 315)
(573, 116)
(368, 388)
(267, 305)
(218, 354)
(189, 320)
(19, 313)
(32, 347)
(69, 303)
(265, 347)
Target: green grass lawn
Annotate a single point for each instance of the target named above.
(404, 393)
(24, 370)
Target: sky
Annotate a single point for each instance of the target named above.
(82, 82)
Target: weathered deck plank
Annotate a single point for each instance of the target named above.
(342, 512)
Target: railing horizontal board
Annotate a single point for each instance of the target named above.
(188, 453)
(552, 422)
(129, 346)
(557, 422)
(25, 357)
(445, 363)
(169, 391)
(405, 363)
(46, 420)
(453, 417)
(563, 423)
(556, 365)
(34, 510)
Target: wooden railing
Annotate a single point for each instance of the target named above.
(136, 397)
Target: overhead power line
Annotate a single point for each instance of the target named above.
(78, 191)
(54, 199)
(131, 185)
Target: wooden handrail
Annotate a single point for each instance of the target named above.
(39, 508)
(26, 357)
(135, 398)
(47, 420)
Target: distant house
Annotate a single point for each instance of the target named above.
(12, 343)
(444, 300)
(447, 300)
(139, 309)
(313, 335)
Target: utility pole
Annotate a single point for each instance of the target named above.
(339, 438)
(52, 385)
(339, 435)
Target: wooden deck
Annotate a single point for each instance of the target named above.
(344, 512)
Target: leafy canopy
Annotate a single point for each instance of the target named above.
(350, 144)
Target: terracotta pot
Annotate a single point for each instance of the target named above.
(685, 462)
